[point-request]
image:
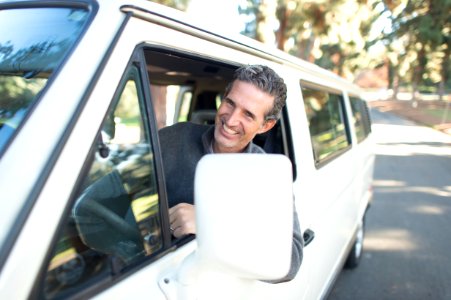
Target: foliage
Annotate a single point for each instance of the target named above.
(419, 45)
(17, 93)
(411, 37)
(329, 33)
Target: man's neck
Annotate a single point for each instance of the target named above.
(217, 150)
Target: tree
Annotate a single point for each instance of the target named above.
(446, 65)
(266, 21)
(261, 20)
(329, 33)
(424, 27)
(305, 25)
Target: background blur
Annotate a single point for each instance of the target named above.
(399, 48)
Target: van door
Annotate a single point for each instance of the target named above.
(115, 222)
(327, 186)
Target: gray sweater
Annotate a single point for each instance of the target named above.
(182, 146)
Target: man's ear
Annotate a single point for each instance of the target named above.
(267, 125)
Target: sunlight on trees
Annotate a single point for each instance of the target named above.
(424, 29)
(332, 34)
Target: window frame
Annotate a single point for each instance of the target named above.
(139, 57)
(319, 163)
(287, 140)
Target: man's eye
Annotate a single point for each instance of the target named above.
(249, 115)
(228, 102)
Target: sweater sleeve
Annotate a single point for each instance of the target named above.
(296, 251)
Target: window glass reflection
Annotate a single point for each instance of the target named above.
(33, 43)
(360, 118)
(115, 222)
(326, 123)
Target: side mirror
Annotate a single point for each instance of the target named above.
(244, 215)
(244, 211)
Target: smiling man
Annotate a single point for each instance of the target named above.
(241, 115)
(251, 105)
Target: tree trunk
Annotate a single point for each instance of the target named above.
(395, 85)
(444, 72)
(265, 16)
(281, 33)
(441, 89)
(418, 71)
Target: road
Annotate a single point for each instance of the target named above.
(407, 248)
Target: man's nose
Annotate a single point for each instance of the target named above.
(233, 118)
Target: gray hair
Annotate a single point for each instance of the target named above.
(267, 80)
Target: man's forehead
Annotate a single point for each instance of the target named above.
(251, 98)
(249, 87)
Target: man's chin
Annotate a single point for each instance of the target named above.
(226, 144)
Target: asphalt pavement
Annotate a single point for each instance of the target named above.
(407, 248)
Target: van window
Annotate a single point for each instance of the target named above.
(361, 118)
(328, 131)
(185, 87)
(30, 52)
(115, 219)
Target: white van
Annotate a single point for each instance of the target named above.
(84, 88)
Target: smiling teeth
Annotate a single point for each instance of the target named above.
(228, 130)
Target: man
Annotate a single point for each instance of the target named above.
(251, 105)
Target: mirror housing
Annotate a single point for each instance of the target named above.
(244, 214)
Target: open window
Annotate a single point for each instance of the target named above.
(185, 87)
(190, 88)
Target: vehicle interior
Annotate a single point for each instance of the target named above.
(199, 84)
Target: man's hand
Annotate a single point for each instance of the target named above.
(182, 218)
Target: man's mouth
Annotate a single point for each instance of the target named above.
(229, 130)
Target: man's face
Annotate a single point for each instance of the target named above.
(240, 117)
